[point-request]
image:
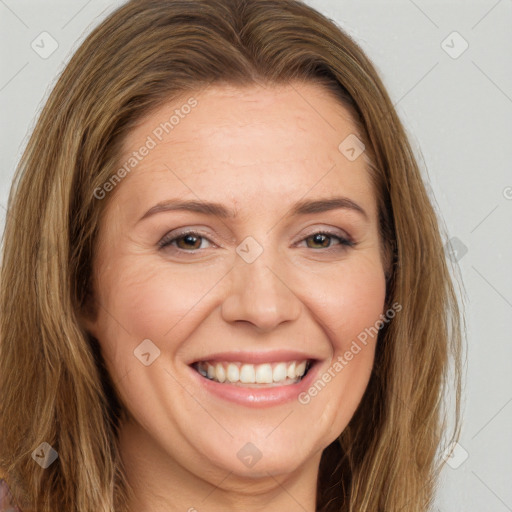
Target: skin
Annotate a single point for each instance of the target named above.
(257, 150)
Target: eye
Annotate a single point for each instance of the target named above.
(190, 241)
(323, 237)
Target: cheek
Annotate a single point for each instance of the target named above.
(148, 301)
(348, 301)
(349, 309)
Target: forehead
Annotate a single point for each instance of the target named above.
(245, 145)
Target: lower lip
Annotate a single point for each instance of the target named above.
(258, 397)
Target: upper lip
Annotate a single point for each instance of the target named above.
(253, 357)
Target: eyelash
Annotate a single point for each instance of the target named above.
(344, 242)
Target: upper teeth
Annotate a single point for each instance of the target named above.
(265, 373)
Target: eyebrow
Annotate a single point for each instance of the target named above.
(304, 207)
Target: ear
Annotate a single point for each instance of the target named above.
(88, 315)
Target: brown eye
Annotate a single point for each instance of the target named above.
(322, 240)
(189, 241)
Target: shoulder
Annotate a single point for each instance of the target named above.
(6, 500)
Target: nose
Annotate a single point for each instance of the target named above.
(260, 294)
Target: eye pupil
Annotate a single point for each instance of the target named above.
(189, 239)
(319, 238)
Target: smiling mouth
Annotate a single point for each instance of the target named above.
(254, 375)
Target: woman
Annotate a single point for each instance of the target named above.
(296, 357)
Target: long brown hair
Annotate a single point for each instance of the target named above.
(53, 383)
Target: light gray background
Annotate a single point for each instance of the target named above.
(458, 112)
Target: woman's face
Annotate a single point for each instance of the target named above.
(250, 292)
